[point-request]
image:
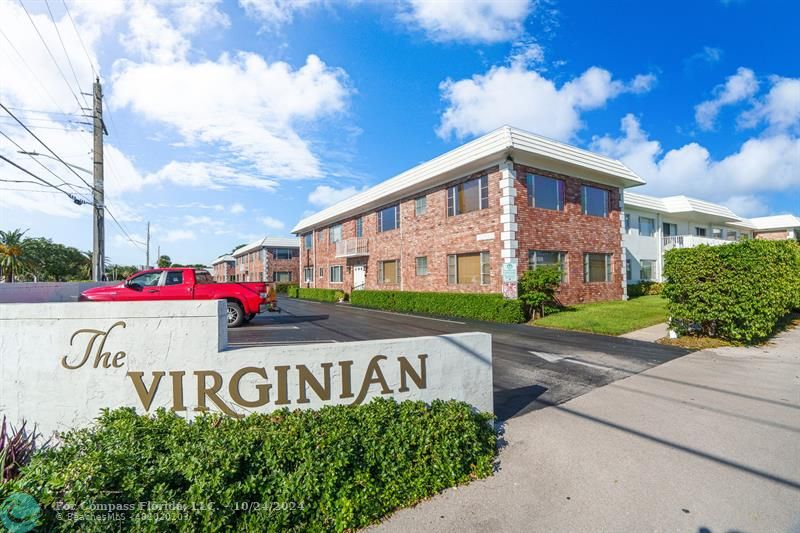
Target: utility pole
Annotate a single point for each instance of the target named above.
(158, 254)
(99, 224)
(147, 264)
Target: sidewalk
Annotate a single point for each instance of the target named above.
(707, 442)
(649, 334)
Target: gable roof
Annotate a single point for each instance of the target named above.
(268, 242)
(476, 155)
(222, 259)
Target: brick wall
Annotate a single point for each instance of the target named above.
(251, 266)
(772, 235)
(435, 235)
(572, 232)
(224, 271)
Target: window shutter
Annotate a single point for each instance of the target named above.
(397, 216)
(484, 192)
(608, 267)
(380, 273)
(586, 268)
(560, 186)
(397, 266)
(451, 269)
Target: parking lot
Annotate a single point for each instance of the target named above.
(533, 367)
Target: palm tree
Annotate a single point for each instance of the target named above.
(86, 264)
(13, 254)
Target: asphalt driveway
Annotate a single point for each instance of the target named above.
(533, 367)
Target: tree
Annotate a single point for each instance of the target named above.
(164, 261)
(537, 287)
(13, 254)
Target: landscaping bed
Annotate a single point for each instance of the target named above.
(336, 469)
(609, 318)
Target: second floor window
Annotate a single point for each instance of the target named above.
(360, 227)
(700, 232)
(420, 205)
(595, 201)
(546, 193)
(283, 253)
(335, 233)
(647, 226)
(668, 229)
(389, 218)
(308, 241)
(468, 196)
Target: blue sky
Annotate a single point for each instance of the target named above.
(231, 120)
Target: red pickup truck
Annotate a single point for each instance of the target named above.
(245, 300)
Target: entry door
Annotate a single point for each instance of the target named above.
(359, 277)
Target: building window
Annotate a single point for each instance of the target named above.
(308, 241)
(700, 232)
(594, 201)
(731, 235)
(260, 276)
(282, 277)
(627, 223)
(360, 227)
(646, 268)
(468, 269)
(283, 253)
(596, 267)
(420, 205)
(647, 226)
(388, 272)
(321, 272)
(544, 192)
(308, 274)
(336, 274)
(321, 235)
(468, 196)
(422, 266)
(669, 229)
(538, 258)
(628, 271)
(389, 218)
(335, 233)
(716, 233)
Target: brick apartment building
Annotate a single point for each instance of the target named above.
(777, 227)
(223, 269)
(473, 219)
(268, 259)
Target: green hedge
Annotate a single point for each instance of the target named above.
(644, 288)
(283, 288)
(292, 292)
(319, 295)
(491, 307)
(336, 469)
(737, 292)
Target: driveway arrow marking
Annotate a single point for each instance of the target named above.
(554, 358)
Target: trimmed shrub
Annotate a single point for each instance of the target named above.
(644, 288)
(492, 307)
(319, 295)
(537, 289)
(283, 288)
(293, 292)
(737, 292)
(336, 469)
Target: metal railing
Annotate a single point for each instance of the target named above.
(690, 241)
(352, 247)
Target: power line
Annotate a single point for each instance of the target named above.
(43, 112)
(51, 128)
(26, 181)
(91, 63)
(77, 200)
(137, 243)
(46, 146)
(42, 85)
(41, 38)
(66, 54)
(62, 180)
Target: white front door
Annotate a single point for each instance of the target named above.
(359, 277)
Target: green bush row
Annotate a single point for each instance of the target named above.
(283, 288)
(737, 292)
(644, 288)
(491, 307)
(336, 469)
(319, 295)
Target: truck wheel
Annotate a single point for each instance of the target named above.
(235, 315)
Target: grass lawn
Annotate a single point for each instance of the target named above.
(609, 318)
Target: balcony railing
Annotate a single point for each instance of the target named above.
(353, 247)
(690, 241)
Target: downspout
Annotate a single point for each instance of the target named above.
(624, 251)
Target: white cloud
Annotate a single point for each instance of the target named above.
(485, 21)
(780, 108)
(174, 235)
(251, 107)
(708, 54)
(272, 223)
(153, 36)
(275, 13)
(325, 195)
(747, 205)
(521, 97)
(213, 176)
(738, 87)
(237, 209)
(526, 53)
(192, 220)
(760, 165)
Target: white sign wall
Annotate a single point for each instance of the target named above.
(60, 363)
